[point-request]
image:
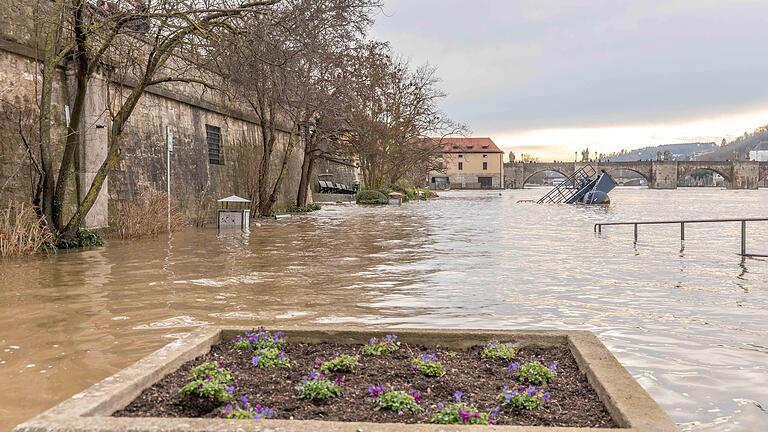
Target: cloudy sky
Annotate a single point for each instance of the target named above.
(551, 77)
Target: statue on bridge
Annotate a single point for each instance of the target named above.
(511, 157)
(585, 155)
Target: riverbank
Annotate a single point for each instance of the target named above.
(688, 325)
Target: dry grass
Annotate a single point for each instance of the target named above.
(147, 217)
(23, 231)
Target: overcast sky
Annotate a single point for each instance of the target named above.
(556, 76)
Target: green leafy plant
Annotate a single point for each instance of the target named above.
(209, 381)
(83, 238)
(317, 387)
(499, 351)
(397, 401)
(385, 346)
(340, 364)
(460, 413)
(534, 372)
(523, 398)
(245, 411)
(371, 197)
(269, 358)
(428, 365)
(254, 340)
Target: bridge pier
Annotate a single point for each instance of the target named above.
(664, 175)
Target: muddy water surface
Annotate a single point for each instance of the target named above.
(690, 323)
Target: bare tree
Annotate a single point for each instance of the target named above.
(395, 117)
(288, 71)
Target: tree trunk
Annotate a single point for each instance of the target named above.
(307, 164)
(283, 167)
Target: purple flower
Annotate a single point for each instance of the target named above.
(338, 380)
(464, 415)
(553, 366)
(547, 396)
(208, 378)
(255, 360)
(514, 366)
(318, 361)
(228, 408)
(244, 399)
(429, 357)
(416, 396)
(314, 376)
(531, 391)
(457, 395)
(375, 391)
(229, 389)
(440, 405)
(282, 357)
(495, 411)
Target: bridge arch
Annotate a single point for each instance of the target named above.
(685, 170)
(528, 174)
(612, 169)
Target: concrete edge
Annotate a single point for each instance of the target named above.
(624, 398)
(90, 410)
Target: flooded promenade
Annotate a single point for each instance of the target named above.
(689, 323)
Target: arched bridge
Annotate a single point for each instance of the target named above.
(658, 174)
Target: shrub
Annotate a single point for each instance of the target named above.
(340, 364)
(371, 197)
(84, 238)
(253, 340)
(269, 358)
(458, 413)
(523, 398)
(23, 231)
(245, 411)
(534, 372)
(394, 400)
(310, 207)
(429, 365)
(317, 387)
(385, 346)
(147, 216)
(499, 351)
(209, 381)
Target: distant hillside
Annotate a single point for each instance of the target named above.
(741, 144)
(680, 152)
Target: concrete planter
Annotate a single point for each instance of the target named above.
(628, 404)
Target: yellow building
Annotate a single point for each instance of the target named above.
(469, 163)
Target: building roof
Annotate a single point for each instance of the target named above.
(468, 145)
(763, 146)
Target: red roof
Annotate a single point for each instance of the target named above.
(468, 145)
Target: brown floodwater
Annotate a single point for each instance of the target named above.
(690, 323)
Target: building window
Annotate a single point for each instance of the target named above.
(213, 138)
(461, 166)
(461, 155)
(485, 166)
(485, 156)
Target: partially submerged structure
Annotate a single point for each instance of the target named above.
(584, 186)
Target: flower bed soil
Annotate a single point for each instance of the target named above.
(573, 402)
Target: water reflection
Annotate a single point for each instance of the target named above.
(687, 320)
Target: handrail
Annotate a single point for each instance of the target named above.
(598, 228)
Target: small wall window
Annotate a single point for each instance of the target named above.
(461, 166)
(485, 156)
(485, 166)
(213, 139)
(461, 155)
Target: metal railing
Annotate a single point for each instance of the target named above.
(599, 228)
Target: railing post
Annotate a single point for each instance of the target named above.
(743, 238)
(635, 233)
(682, 231)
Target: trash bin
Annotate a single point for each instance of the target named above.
(234, 212)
